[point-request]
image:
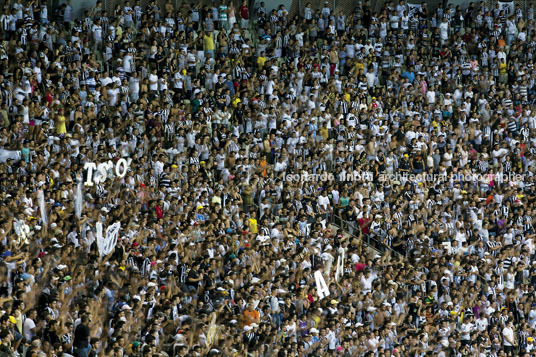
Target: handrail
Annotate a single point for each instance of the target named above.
(339, 222)
(379, 246)
(370, 241)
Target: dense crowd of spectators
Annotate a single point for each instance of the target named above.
(247, 134)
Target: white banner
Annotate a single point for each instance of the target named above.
(78, 200)
(413, 9)
(507, 6)
(340, 264)
(107, 244)
(42, 207)
(9, 154)
(22, 230)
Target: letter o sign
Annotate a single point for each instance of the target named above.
(121, 168)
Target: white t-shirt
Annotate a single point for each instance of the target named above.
(29, 324)
(481, 324)
(431, 96)
(366, 284)
(394, 22)
(113, 95)
(444, 30)
(97, 32)
(127, 63)
(466, 330)
(323, 201)
(532, 318)
(134, 85)
(153, 82)
(508, 334)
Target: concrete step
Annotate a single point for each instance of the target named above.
(371, 251)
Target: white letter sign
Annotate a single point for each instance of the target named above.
(102, 169)
(89, 166)
(125, 164)
(121, 169)
(321, 287)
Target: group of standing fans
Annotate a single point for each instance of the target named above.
(262, 147)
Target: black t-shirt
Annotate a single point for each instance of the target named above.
(418, 163)
(193, 275)
(404, 164)
(81, 336)
(381, 163)
(51, 336)
(209, 283)
(413, 309)
(350, 213)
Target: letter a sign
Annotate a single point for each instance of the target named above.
(321, 287)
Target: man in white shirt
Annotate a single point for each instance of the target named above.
(332, 338)
(134, 87)
(97, 32)
(128, 63)
(67, 12)
(323, 204)
(128, 14)
(29, 327)
(153, 81)
(394, 20)
(366, 282)
(532, 316)
(275, 309)
(482, 322)
(508, 337)
(400, 8)
(466, 329)
(444, 30)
